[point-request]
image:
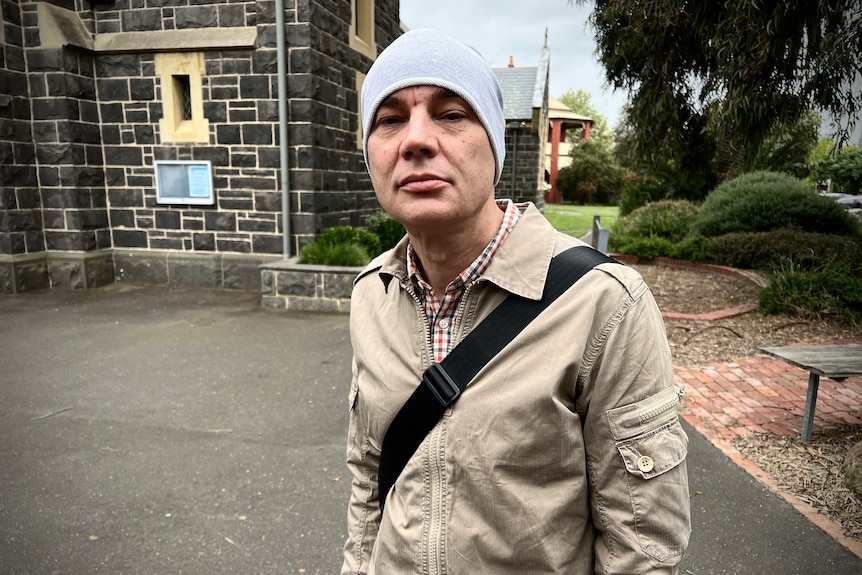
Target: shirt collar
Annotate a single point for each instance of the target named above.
(475, 270)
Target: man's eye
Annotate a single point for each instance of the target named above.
(387, 121)
(454, 115)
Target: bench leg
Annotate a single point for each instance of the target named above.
(810, 404)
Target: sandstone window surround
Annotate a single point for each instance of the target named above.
(360, 79)
(183, 118)
(362, 27)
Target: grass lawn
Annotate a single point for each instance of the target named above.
(578, 220)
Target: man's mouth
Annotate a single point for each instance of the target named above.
(421, 182)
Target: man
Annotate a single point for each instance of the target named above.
(564, 454)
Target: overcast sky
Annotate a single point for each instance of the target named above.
(516, 28)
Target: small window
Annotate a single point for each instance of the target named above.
(183, 88)
(184, 182)
(362, 27)
(183, 118)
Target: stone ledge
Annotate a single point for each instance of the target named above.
(86, 270)
(289, 285)
(189, 269)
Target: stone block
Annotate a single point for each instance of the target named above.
(232, 244)
(168, 220)
(141, 267)
(242, 272)
(204, 242)
(23, 273)
(254, 87)
(194, 270)
(80, 271)
(130, 238)
(338, 285)
(70, 240)
(267, 244)
(220, 221)
(228, 135)
(293, 283)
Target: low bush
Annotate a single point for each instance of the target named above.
(344, 254)
(668, 219)
(642, 247)
(765, 251)
(693, 249)
(388, 231)
(766, 201)
(835, 290)
(341, 246)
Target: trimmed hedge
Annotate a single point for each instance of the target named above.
(766, 201)
(766, 251)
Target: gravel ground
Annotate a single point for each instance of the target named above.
(810, 471)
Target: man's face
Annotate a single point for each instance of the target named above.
(430, 159)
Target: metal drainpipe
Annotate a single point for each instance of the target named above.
(281, 46)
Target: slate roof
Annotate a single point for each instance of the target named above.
(518, 85)
(524, 88)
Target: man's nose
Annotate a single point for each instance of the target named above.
(419, 136)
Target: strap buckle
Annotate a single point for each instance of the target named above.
(441, 385)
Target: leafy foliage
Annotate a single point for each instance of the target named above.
(845, 170)
(388, 231)
(337, 254)
(732, 69)
(669, 219)
(788, 147)
(580, 102)
(685, 172)
(643, 247)
(765, 251)
(593, 176)
(764, 201)
(834, 290)
(341, 246)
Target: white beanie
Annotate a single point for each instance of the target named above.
(425, 57)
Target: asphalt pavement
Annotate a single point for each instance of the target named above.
(159, 431)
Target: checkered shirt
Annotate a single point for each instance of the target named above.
(443, 315)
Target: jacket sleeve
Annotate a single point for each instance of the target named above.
(363, 513)
(635, 445)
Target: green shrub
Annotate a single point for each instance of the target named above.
(341, 246)
(693, 249)
(642, 247)
(351, 235)
(332, 254)
(834, 290)
(668, 219)
(388, 231)
(766, 201)
(765, 251)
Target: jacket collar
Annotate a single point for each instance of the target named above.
(520, 266)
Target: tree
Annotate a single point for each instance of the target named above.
(788, 147)
(593, 177)
(580, 102)
(844, 169)
(732, 69)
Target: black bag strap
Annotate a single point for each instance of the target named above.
(442, 383)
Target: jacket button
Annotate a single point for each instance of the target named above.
(646, 464)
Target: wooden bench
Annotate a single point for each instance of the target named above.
(836, 362)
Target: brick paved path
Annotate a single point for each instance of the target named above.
(763, 395)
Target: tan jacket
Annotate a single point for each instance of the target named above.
(564, 455)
